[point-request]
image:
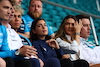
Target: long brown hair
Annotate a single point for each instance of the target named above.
(61, 32)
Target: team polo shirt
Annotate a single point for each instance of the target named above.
(4, 48)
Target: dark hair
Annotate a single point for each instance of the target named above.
(32, 35)
(61, 33)
(81, 16)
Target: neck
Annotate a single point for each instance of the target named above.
(15, 29)
(41, 37)
(84, 38)
(5, 23)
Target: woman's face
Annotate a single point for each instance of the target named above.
(41, 28)
(69, 26)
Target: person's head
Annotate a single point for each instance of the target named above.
(38, 29)
(5, 9)
(85, 31)
(66, 27)
(16, 20)
(35, 8)
(18, 2)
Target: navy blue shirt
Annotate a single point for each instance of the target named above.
(45, 51)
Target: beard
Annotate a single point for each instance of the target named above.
(36, 15)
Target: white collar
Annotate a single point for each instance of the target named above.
(83, 39)
(9, 26)
(68, 37)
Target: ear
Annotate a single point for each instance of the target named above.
(34, 31)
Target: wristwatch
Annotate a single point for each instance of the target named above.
(17, 53)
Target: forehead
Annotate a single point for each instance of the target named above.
(85, 21)
(70, 20)
(17, 12)
(41, 22)
(17, 0)
(5, 3)
(36, 2)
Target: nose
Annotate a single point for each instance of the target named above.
(9, 11)
(36, 7)
(43, 26)
(89, 27)
(70, 25)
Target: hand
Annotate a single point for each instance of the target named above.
(41, 63)
(65, 56)
(78, 26)
(28, 51)
(53, 43)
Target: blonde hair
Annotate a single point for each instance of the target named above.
(18, 8)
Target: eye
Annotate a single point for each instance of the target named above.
(38, 25)
(19, 16)
(85, 25)
(33, 5)
(73, 24)
(45, 24)
(67, 23)
(39, 6)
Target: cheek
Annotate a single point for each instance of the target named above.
(40, 11)
(31, 9)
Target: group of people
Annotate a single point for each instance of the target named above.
(68, 47)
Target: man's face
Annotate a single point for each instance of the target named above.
(5, 9)
(85, 31)
(35, 8)
(18, 2)
(16, 20)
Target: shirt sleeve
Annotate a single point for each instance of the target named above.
(65, 45)
(4, 49)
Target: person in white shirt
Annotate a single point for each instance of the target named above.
(88, 50)
(68, 37)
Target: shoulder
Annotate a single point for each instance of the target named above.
(26, 17)
(36, 42)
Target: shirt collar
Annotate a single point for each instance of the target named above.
(68, 37)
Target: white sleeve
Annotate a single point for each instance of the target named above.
(89, 54)
(65, 45)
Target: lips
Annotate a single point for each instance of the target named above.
(70, 30)
(11, 16)
(44, 30)
(17, 24)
